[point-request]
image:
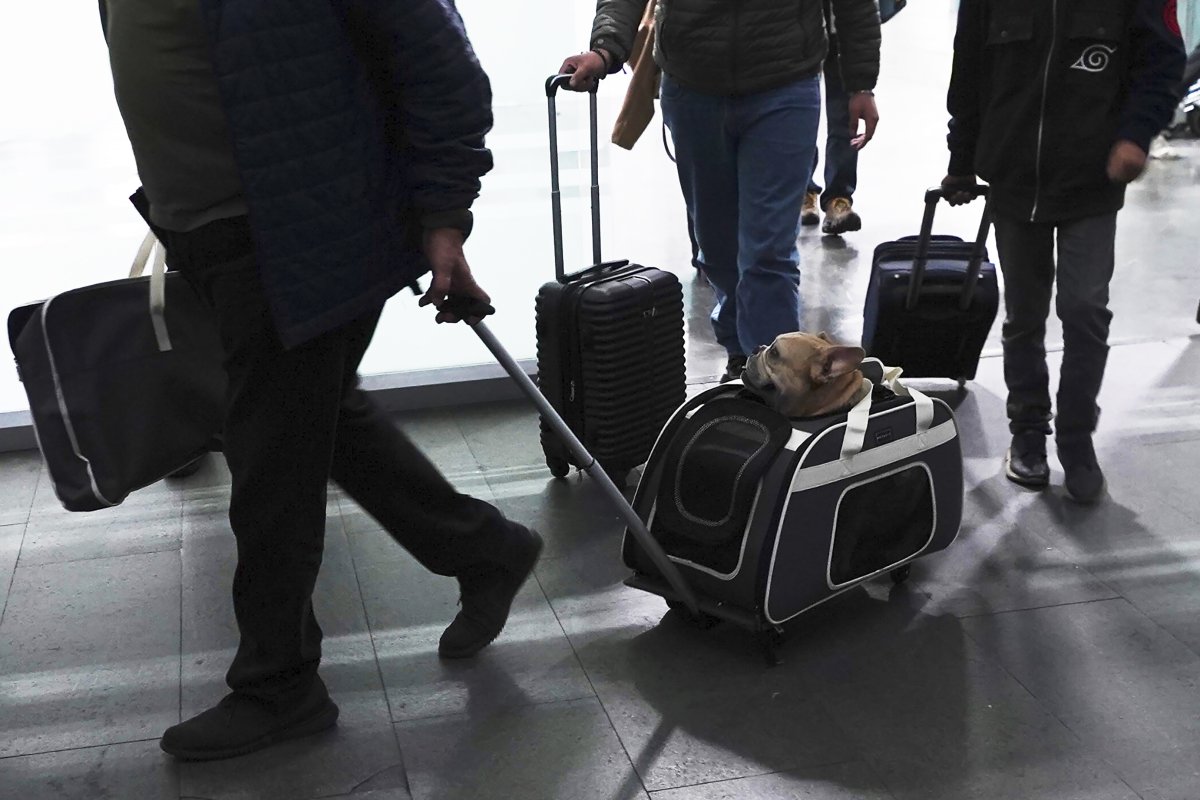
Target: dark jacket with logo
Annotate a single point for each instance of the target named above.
(1042, 90)
(737, 47)
(355, 125)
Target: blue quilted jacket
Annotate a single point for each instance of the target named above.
(356, 123)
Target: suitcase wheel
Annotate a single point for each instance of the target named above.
(900, 574)
(559, 467)
(701, 620)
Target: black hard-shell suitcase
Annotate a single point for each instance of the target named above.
(932, 300)
(610, 344)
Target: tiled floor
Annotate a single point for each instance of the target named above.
(1053, 653)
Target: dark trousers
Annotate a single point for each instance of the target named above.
(295, 419)
(841, 159)
(1084, 270)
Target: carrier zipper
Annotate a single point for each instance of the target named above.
(1037, 188)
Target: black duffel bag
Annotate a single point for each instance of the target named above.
(125, 381)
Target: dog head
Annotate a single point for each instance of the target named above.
(804, 375)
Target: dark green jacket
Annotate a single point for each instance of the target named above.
(735, 47)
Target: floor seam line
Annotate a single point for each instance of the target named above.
(591, 684)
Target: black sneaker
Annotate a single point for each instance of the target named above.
(241, 724)
(1083, 479)
(487, 596)
(1025, 463)
(734, 368)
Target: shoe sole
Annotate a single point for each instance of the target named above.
(325, 718)
(1028, 483)
(528, 571)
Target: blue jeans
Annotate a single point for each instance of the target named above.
(744, 163)
(841, 160)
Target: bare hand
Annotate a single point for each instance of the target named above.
(585, 70)
(862, 109)
(958, 189)
(451, 273)
(1126, 162)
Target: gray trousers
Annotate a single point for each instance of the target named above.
(1084, 270)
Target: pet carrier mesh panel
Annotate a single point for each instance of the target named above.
(880, 522)
(708, 491)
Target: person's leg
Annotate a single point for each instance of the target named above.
(777, 132)
(707, 163)
(1026, 253)
(450, 533)
(841, 159)
(1085, 269)
(278, 440)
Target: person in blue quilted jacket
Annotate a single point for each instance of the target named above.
(302, 161)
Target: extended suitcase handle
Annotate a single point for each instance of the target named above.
(921, 258)
(553, 84)
(469, 307)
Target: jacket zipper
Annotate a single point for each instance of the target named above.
(1037, 189)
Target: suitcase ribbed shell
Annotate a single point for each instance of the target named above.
(611, 361)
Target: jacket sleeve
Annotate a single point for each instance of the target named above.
(418, 52)
(616, 26)
(1156, 69)
(858, 40)
(965, 98)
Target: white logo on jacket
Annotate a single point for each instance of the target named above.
(1095, 59)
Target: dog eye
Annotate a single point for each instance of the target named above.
(773, 352)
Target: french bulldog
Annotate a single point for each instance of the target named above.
(802, 375)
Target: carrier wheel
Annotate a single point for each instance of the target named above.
(559, 467)
(699, 620)
(900, 574)
(770, 641)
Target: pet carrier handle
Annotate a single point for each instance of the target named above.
(859, 417)
(921, 259)
(636, 526)
(553, 84)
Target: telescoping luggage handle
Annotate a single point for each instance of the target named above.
(467, 308)
(553, 84)
(921, 259)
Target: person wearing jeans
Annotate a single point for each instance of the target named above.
(742, 165)
(740, 95)
(836, 199)
(1055, 105)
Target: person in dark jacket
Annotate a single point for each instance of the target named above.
(1055, 104)
(741, 96)
(302, 161)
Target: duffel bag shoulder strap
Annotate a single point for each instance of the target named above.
(158, 286)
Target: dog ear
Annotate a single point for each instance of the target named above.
(836, 362)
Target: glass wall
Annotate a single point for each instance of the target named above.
(67, 172)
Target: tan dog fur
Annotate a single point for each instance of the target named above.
(806, 376)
